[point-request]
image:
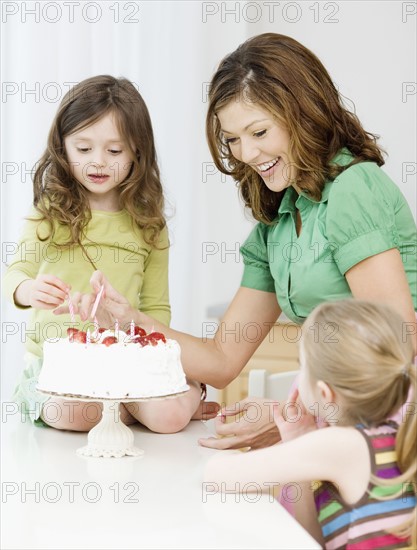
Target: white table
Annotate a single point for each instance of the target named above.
(52, 498)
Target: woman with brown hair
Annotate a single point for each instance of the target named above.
(331, 223)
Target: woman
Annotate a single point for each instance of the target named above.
(331, 224)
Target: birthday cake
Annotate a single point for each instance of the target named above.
(112, 365)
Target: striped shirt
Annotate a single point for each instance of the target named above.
(366, 524)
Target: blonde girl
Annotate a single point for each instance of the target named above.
(357, 369)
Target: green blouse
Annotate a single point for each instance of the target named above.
(361, 213)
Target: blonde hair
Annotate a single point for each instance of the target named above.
(287, 80)
(359, 349)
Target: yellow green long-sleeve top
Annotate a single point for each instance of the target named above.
(135, 269)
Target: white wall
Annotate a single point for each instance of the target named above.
(171, 52)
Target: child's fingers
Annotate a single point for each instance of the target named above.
(55, 282)
(64, 308)
(301, 407)
(293, 396)
(43, 301)
(81, 305)
(293, 415)
(43, 293)
(294, 404)
(46, 298)
(60, 310)
(277, 415)
(75, 299)
(50, 293)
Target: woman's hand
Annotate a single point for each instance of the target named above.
(293, 420)
(44, 292)
(112, 304)
(254, 426)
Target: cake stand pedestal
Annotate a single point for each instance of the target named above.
(111, 437)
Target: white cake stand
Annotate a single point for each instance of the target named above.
(111, 437)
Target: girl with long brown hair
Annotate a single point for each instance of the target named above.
(98, 204)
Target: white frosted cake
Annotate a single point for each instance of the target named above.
(126, 367)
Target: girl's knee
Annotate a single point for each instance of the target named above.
(71, 415)
(168, 420)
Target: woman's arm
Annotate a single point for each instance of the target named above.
(381, 278)
(215, 361)
(219, 360)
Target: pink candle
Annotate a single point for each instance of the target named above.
(132, 328)
(95, 306)
(96, 327)
(116, 328)
(71, 308)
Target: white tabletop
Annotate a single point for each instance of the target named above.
(52, 498)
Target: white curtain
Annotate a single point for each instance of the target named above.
(170, 50)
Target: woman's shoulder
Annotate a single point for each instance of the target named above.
(259, 233)
(364, 190)
(365, 179)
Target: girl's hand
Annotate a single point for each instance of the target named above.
(79, 301)
(293, 419)
(254, 426)
(44, 292)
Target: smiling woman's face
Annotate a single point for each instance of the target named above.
(255, 138)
